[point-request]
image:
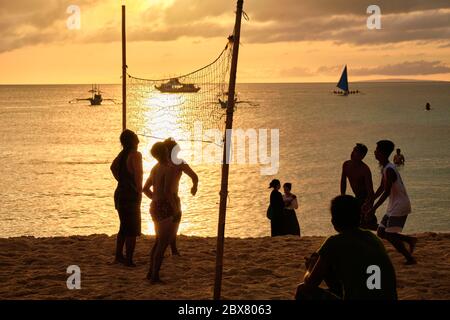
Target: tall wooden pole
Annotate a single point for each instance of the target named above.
(226, 154)
(124, 72)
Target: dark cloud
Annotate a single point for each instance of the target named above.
(407, 68)
(30, 22)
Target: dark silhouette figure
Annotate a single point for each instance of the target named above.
(399, 159)
(360, 178)
(179, 167)
(290, 221)
(127, 170)
(276, 209)
(163, 208)
(344, 261)
(399, 206)
(428, 106)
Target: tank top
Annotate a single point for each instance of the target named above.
(399, 204)
(126, 192)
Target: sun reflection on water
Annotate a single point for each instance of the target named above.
(162, 117)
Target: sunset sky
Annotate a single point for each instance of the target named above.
(283, 40)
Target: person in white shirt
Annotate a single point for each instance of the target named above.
(290, 221)
(399, 206)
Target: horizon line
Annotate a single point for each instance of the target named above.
(280, 82)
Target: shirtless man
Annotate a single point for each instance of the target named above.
(360, 178)
(163, 207)
(179, 166)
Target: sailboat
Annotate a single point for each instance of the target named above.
(343, 84)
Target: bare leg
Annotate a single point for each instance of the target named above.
(411, 241)
(397, 240)
(173, 243)
(152, 252)
(166, 229)
(152, 258)
(119, 249)
(130, 244)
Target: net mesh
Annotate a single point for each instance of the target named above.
(173, 107)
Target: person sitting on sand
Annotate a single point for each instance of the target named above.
(399, 206)
(163, 208)
(344, 260)
(399, 159)
(179, 167)
(290, 221)
(360, 178)
(127, 170)
(275, 210)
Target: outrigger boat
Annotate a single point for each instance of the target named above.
(96, 98)
(343, 85)
(175, 86)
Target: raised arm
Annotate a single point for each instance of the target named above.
(343, 180)
(194, 177)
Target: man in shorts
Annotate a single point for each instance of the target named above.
(399, 206)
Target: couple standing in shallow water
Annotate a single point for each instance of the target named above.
(281, 211)
(161, 186)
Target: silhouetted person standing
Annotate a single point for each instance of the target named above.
(276, 208)
(399, 206)
(290, 221)
(179, 167)
(360, 178)
(127, 170)
(163, 208)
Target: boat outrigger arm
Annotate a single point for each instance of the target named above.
(96, 98)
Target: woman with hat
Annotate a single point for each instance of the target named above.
(275, 210)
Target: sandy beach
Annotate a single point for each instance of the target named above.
(255, 268)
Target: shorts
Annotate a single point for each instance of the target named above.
(392, 224)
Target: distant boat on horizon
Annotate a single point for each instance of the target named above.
(175, 86)
(96, 98)
(343, 84)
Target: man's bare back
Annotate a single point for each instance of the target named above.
(359, 176)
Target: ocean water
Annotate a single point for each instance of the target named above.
(55, 157)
